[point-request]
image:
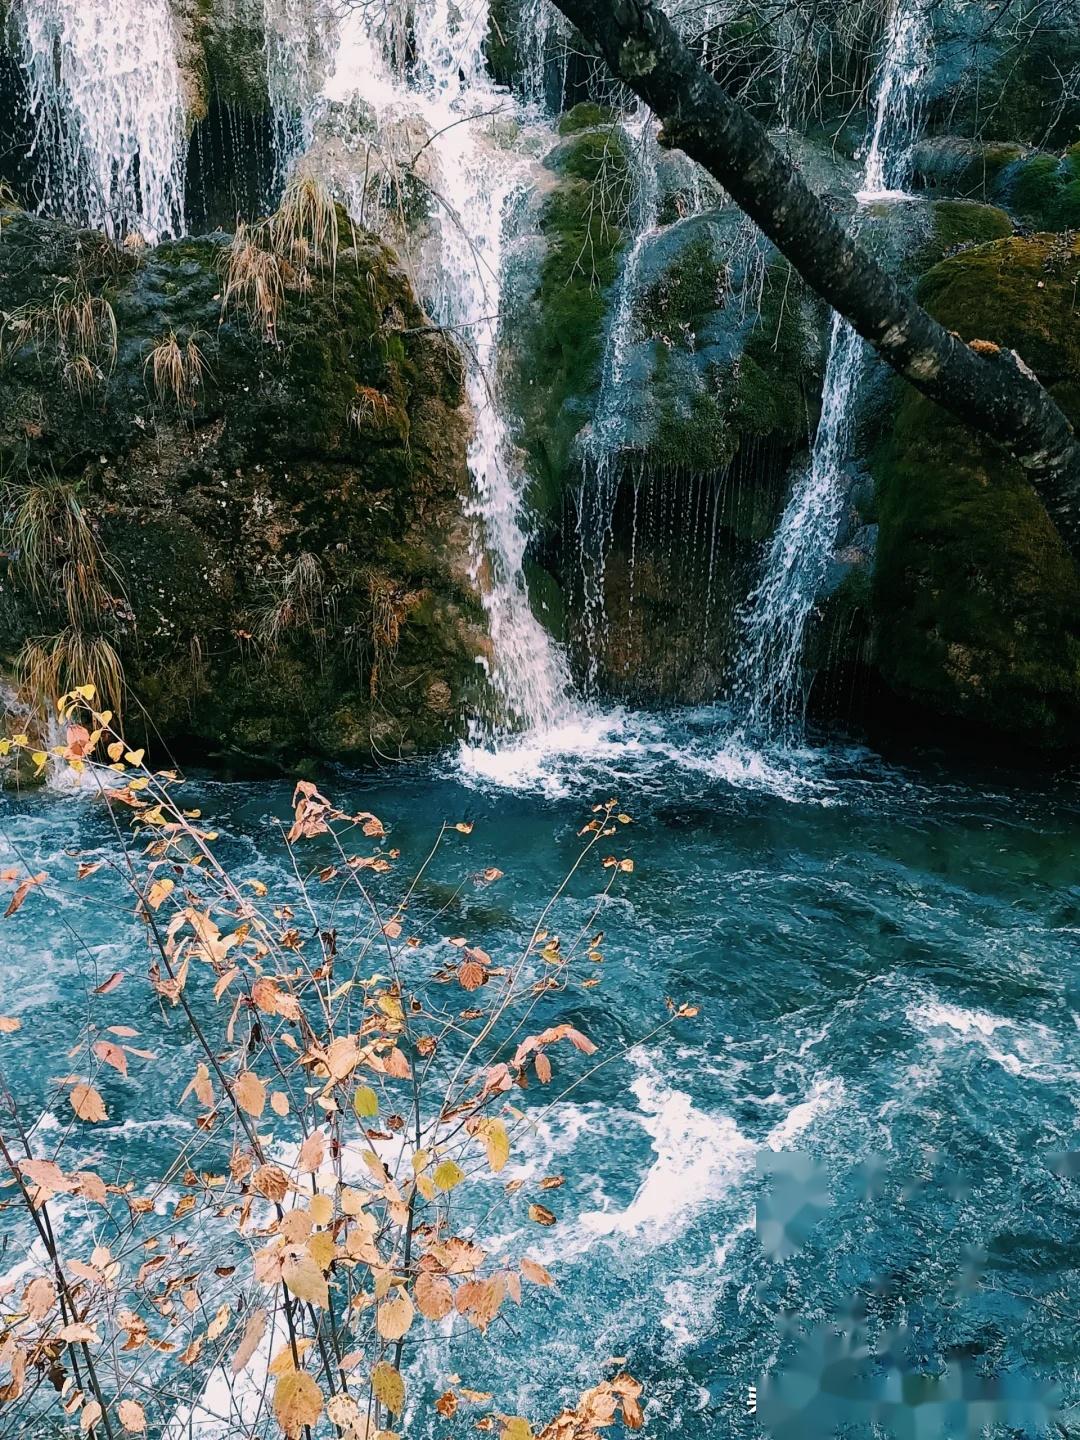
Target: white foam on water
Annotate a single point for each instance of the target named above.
(1025, 1049)
(699, 1155)
(596, 747)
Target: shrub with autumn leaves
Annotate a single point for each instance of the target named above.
(348, 1111)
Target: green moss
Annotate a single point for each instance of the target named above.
(704, 417)
(1019, 293)
(977, 600)
(1045, 190)
(586, 116)
(204, 514)
(687, 291)
(962, 222)
(583, 223)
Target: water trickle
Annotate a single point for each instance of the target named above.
(602, 465)
(769, 679)
(105, 93)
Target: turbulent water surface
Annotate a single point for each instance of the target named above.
(866, 1118)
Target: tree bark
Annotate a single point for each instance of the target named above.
(995, 394)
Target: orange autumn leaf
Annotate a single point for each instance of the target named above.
(88, 1104)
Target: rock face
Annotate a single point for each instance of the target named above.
(257, 514)
(976, 600)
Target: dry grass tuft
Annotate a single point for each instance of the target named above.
(53, 666)
(179, 372)
(52, 544)
(254, 279)
(77, 329)
(299, 602)
(304, 229)
(371, 410)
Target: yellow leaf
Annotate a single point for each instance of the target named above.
(88, 1104)
(365, 1103)
(394, 1317)
(321, 1209)
(305, 1280)
(298, 1402)
(322, 1249)
(448, 1174)
(135, 757)
(515, 1428)
(498, 1144)
(388, 1387)
(159, 892)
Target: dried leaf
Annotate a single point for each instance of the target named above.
(88, 1104)
(534, 1272)
(541, 1214)
(250, 1093)
(254, 1331)
(305, 1280)
(111, 1054)
(8, 1025)
(434, 1295)
(394, 1317)
(298, 1402)
(271, 1182)
(132, 1417)
(23, 890)
(389, 1387)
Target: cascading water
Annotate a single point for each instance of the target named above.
(598, 490)
(438, 92)
(105, 91)
(769, 678)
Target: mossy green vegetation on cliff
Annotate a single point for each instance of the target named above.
(282, 541)
(583, 221)
(977, 602)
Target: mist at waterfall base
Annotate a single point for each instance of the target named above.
(888, 982)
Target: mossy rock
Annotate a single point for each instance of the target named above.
(730, 359)
(1044, 190)
(558, 358)
(951, 225)
(977, 602)
(286, 545)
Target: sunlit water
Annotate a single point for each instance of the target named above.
(886, 964)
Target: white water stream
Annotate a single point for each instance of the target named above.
(769, 678)
(105, 92)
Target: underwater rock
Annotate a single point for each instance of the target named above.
(266, 499)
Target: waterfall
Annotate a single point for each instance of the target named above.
(105, 93)
(769, 678)
(598, 491)
(435, 96)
